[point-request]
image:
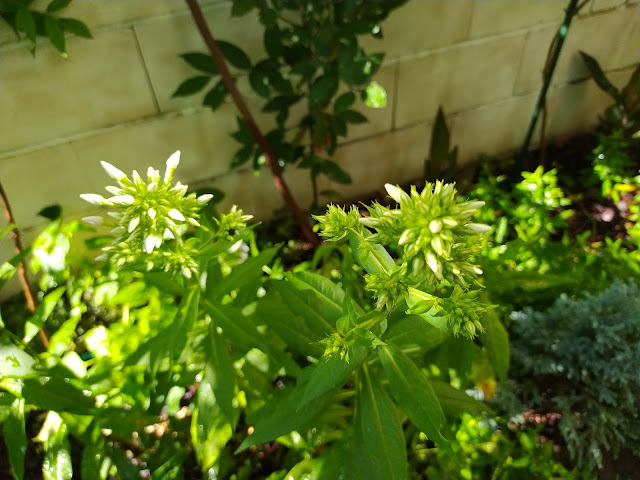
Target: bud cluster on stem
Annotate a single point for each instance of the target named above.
(434, 274)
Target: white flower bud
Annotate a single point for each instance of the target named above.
(101, 258)
(114, 190)
(152, 213)
(151, 242)
(113, 172)
(118, 230)
(397, 193)
(478, 227)
(176, 215)
(173, 160)
(133, 224)
(137, 179)
(93, 220)
(122, 199)
(202, 199)
(152, 187)
(186, 272)
(172, 163)
(435, 226)
(168, 235)
(94, 199)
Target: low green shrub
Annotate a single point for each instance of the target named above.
(580, 358)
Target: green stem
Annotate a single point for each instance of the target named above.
(559, 41)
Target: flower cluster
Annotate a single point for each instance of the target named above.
(146, 214)
(436, 241)
(432, 228)
(335, 344)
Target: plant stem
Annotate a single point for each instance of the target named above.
(558, 41)
(259, 138)
(22, 270)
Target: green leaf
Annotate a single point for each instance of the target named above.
(372, 257)
(281, 415)
(332, 372)
(242, 156)
(43, 312)
(220, 374)
(55, 34)
(234, 55)
(273, 41)
(57, 394)
(259, 81)
(8, 269)
(14, 362)
(439, 152)
(413, 393)
(169, 343)
(495, 340)
(26, 23)
(135, 294)
(62, 336)
(214, 98)
(57, 5)
(240, 8)
(631, 93)
(7, 229)
(376, 96)
(296, 330)
(410, 332)
(359, 70)
(280, 102)
(238, 329)
(352, 116)
(318, 306)
(380, 444)
(200, 61)
(210, 430)
(343, 102)
(191, 86)
(600, 78)
(335, 172)
(76, 27)
(455, 402)
(57, 458)
(245, 278)
(52, 212)
(323, 89)
(13, 431)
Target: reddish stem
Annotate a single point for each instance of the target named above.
(22, 270)
(259, 138)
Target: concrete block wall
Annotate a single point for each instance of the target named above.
(481, 60)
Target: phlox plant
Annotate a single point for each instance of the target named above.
(208, 353)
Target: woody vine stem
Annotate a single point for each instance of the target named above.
(259, 138)
(22, 270)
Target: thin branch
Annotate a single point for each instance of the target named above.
(259, 138)
(22, 270)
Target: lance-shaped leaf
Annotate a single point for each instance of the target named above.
(455, 402)
(372, 257)
(495, 340)
(13, 431)
(380, 444)
(413, 393)
(332, 372)
(219, 373)
(44, 310)
(58, 394)
(281, 416)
